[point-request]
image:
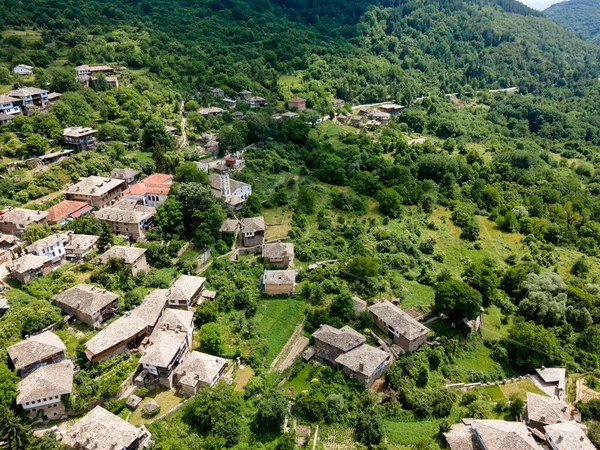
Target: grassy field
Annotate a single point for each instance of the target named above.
(278, 222)
(166, 399)
(242, 376)
(300, 382)
(410, 433)
(277, 320)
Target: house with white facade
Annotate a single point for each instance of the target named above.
(23, 69)
(52, 246)
(9, 105)
(233, 192)
(151, 191)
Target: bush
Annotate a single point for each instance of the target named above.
(142, 391)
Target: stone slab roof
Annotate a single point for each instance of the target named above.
(124, 174)
(35, 348)
(152, 306)
(81, 241)
(229, 225)
(45, 382)
(94, 186)
(129, 255)
(121, 330)
(364, 359)
(26, 263)
(26, 92)
(43, 243)
(253, 224)
(76, 132)
(460, 437)
(199, 367)
(553, 375)
(397, 319)
(125, 211)
(278, 250)
(279, 277)
(168, 337)
(502, 435)
(568, 436)
(86, 298)
(102, 430)
(186, 287)
(21, 216)
(546, 410)
(343, 339)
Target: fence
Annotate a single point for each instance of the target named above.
(489, 383)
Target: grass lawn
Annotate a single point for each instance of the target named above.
(492, 327)
(277, 320)
(140, 156)
(494, 392)
(410, 433)
(416, 294)
(242, 376)
(26, 35)
(278, 222)
(300, 382)
(166, 399)
(521, 388)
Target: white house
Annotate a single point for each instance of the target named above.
(151, 191)
(9, 105)
(233, 192)
(23, 69)
(52, 247)
(256, 102)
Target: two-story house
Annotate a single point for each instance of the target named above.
(52, 246)
(217, 92)
(79, 246)
(170, 342)
(93, 69)
(297, 103)
(234, 193)
(67, 210)
(30, 98)
(23, 69)
(28, 267)
(253, 231)
(97, 191)
(16, 220)
(89, 304)
(9, 105)
(256, 102)
(278, 282)
(405, 331)
(125, 333)
(128, 218)
(35, 351)
(279, 254)
(198, 370)
(186, 291)
(80, 138)
(151, 191)
(131, 256)
(129, 175)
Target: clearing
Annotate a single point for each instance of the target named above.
(166, 399)
(292, 348)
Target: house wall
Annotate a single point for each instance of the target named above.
(325, 351)
(55, 251)
(404, 343)
(281, 263)
(131, 229)
(254, 240)
(243, 192)
(51, 409)
(25, 277)
(154, 200)
(139, 265)
(121, 347)
(78, 253)
(98, 201)
(278, 289)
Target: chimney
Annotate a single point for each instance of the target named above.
(361, 366)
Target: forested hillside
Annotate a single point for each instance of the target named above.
(579, 16)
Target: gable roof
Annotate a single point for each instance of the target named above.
(35, 348)
(94, 186)
(279, 277)
(121, 330)
(546, 410)
(215, 182)
(344, 339)
(27, 262)
(26, 92)
(553, 375)
(43, 243)
(501, 435)
(278, 250)
(199, 367)
(124, 174)
(152, 306)
(168, 337)
(125, 211)
(102, 430)
(129, 255)
(76, 132)
(364, 359)
(568, 436)
(67, 208)
(81, 241)
(229, 225)
(22, 216)
(253, 224)
(399, 320)
(159, 178)
(86, 298)
(143, 188)
(46, 381)
(185, 287)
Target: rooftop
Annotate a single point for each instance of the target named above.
(76, 132)
(27, 262)
(26, 92)
(363, 359)
(168, 337)
(35, 349)
(94, 186)
(21, 216)
(94, 67)
(279, 277)
(253, 224)
(229, 225)
(215, 182)
(81, 241)
(125, 211)
(121, 330)
(102, 430)
(43, 243)
(400, 321)
(124, 174)
(199, 367)
(185, 287)
(143, 188)
(278, 250)
(555, 375)
(501, 435)
(8, 99)
(46, 381)
(65, 209)
(546, 410)
(152, 306)
(159, 178)
(344, 339)
(129, 255)
(568, 436)
(86, 298)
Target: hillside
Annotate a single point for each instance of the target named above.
(579, 16)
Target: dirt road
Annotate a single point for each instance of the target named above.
(292, 348)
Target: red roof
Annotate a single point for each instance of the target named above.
(230, 159)
(158, 178)
(143, 188)
(67, 208)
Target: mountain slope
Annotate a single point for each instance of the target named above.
(366, 51)
(580, 16)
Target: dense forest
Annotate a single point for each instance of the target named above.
(579, 16)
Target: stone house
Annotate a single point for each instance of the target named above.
(399, 326)
(297, 102)
(234, 193)
(170, 342)
(80, 138)
(253, 231)
(125, 333)
(256, 102)
(102, 430)
(330, 342)
(278, 282)
(128, 218)
(541, 411)
(27, 267)
(198, 370)
(9, 105)
(29, 98)
(280, 254)
(152, 307)
(245, 95)
(79, 246)
(97, 191)
(16, 220)
(35, 351)
(355, 120)
(338, 103)
(186, 291)
(89, 304)
(568, 436)
(40, 392)
(66, 210)
(23, 69)
(131, 256)
(52, 246)
(217, 92)
(474, 434)
(130, 176)
(94, 69)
